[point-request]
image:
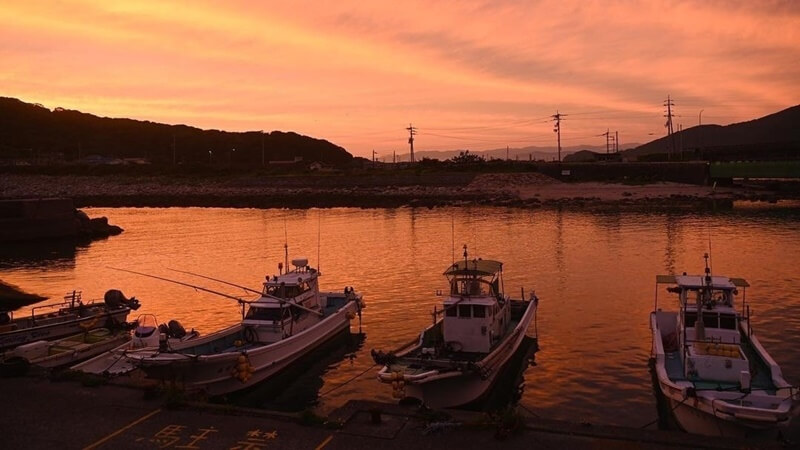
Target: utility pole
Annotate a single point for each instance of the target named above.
(394, 157)
(507, 153)
(669, 104)
(557, 129)
(606, 134)
(373, 156)
(412, 130)
(616, 141)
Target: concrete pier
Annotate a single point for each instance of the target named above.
(38, 413)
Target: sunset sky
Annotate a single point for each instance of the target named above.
(469, 74)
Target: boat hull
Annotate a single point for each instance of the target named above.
(56, 325)
(450, 389)
(716, 413)
(216, 374)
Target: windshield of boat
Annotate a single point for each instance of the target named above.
(473, 286)
(287, 290)
(270, 314)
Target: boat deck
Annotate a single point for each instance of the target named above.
(761, 378)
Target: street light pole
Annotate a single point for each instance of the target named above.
(209, 156)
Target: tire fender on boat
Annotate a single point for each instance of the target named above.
(250, 335)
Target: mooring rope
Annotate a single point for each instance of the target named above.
(348, 381)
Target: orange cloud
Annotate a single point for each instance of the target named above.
(470, 74)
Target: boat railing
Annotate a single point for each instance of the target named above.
(71, 300)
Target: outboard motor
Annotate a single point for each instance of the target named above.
(115, 299)
(176, 330)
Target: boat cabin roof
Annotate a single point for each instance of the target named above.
(698, 282)
(476, 267)
(293, 278)
(483, 300)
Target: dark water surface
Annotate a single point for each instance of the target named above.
(594, 273)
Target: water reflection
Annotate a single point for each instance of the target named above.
(593, 273)
(509, 386)
(54, 254)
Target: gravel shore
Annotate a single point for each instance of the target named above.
(382, 190)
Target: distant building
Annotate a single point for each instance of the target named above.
(590, 156)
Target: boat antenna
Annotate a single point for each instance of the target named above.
(285, 245)
(710, 262)
(200, 288)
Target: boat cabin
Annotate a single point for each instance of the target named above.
(272, 316)
(707, 308)
(708, 328)
(476, 313)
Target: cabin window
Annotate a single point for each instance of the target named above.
(464, 311)
(710, 320)
(450, 311)
(266, 313)
(727, 321)
(689, 319)
(478, 311)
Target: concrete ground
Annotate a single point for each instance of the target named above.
(38, 413)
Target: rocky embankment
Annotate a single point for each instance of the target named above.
(374, 190)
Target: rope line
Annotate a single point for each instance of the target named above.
(348, 381)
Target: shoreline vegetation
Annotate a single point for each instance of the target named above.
(376, 190)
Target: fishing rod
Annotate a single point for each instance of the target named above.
(182, 284)
(218, 281)
(250, 290)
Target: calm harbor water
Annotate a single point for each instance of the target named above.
(594, 273)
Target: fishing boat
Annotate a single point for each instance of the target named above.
(70, 317)
(148, 336)
(717, 377)
(456, 360)
(68, 350)
(289, 318)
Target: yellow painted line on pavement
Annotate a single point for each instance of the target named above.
(324, 443)
(122, 430)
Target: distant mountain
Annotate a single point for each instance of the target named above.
(29, 129)
(523, 153)
(778, 130)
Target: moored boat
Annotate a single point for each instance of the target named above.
(290, 318)
(717, 377)
(70, 317)
(148, 336)
(456, 360)
(68, 350)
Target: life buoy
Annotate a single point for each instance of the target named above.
(250, 335)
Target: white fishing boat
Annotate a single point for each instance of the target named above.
(456, 360)
(68, 350)
(70, 317)
(289, 319)
(717, 377)
(148, 336)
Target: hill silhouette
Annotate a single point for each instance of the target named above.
(28, 129)
(774, 136)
